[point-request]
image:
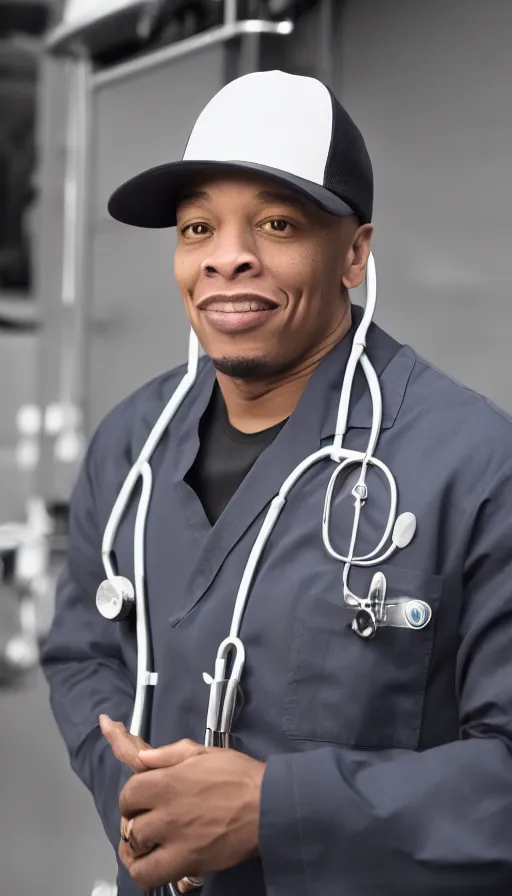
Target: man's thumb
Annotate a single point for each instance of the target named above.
(125, 746)
(172, 754)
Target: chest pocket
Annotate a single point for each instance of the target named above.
(345, 690)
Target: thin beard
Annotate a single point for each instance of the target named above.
(246, 368)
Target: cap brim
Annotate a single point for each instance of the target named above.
(149, 199)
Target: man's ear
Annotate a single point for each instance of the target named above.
(357, 257)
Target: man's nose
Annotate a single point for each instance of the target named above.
(229, 260)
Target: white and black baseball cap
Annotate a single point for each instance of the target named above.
(289, 128)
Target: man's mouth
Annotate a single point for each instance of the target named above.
(237, 312)
(237, 305)
(240, 307)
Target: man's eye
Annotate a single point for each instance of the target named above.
(277, 225)
(192, 230)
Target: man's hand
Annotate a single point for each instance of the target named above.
(199, 805)
(126, 747)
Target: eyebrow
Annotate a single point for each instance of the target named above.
(191, 196)
(283, 198)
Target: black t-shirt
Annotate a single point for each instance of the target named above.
(225, 456)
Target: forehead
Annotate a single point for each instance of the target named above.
(214, 190)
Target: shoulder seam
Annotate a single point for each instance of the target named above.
(478, 395)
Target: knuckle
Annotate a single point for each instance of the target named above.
(130, 787)
(189, 746)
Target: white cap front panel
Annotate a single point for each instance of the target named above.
(267, 118)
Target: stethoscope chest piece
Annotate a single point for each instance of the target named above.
(115, 598)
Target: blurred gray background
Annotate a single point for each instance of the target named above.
(89, 310)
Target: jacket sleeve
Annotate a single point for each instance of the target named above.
(81, 657)
(360, 823)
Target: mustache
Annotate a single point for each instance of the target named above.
(235, 298)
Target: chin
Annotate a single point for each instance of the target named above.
(248, 368)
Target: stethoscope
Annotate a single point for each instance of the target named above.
(117, 596)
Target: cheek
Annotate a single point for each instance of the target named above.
(292, 269)
(186, 270)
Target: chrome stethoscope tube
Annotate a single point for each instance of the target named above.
(116, 596)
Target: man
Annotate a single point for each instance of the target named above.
(358, 766)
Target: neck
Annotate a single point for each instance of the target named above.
(253, 406)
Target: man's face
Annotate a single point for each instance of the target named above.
(263, 272)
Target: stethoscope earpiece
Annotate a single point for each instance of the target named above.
(115, 598)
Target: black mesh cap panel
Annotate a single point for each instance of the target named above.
(348, 170)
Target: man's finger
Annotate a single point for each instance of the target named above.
(125, 746)
(112, 731)
(172, 754)
(137, 847)
(153, 870)
(142, 793)
(189, 884)
(109, 728)
(185, 885)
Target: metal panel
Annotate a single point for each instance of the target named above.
(17, 387)
(49, 229)
(429, 85)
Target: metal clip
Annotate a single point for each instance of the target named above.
(407, 612)
(223, 692)
(374, 612)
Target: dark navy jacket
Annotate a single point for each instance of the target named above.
(389, 762)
